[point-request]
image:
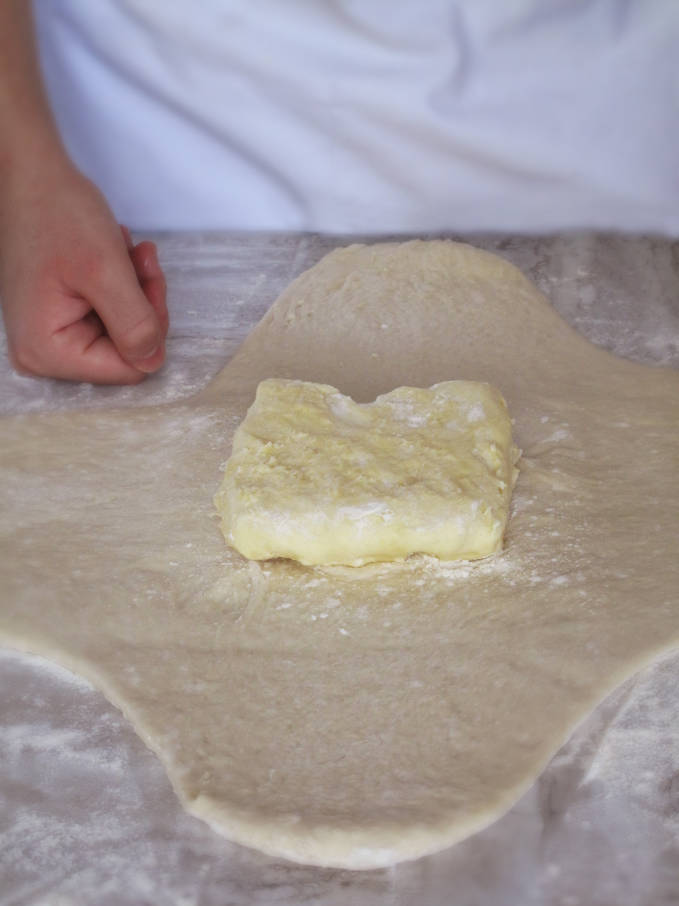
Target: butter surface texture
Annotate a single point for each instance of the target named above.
(319, 478)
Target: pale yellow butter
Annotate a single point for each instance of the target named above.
(318, 478)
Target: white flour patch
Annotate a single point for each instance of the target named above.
(476, 413)
(559, 580)
(560, 433)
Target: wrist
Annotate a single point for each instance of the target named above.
(29, 156)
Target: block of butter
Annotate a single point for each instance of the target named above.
(319, 478)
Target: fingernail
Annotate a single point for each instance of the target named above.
(151, 265)
(147, 364)
(154, 259)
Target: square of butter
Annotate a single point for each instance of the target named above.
(319, 478)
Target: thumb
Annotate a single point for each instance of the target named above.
(130, 320)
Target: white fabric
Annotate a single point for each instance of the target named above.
(355, 116)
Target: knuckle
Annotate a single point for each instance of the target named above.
(26, 360)
(91, 263)
(100, 267)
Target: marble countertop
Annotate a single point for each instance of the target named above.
(87, 815)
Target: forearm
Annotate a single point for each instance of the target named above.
(77, 303)
(28, 134)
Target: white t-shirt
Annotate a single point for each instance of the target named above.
(371, 115)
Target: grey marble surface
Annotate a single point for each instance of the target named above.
(87, 815)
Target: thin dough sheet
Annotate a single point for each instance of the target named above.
(344, 717)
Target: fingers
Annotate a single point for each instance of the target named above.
(82, 351)
(134, 322)
(78, 350)
(70, 335)
(144, 258)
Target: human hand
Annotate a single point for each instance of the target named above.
(80, 301)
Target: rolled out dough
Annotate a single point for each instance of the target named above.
(315, 714)
(321, 479)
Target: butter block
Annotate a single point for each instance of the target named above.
(319, 478)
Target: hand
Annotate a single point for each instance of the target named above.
(80, 301)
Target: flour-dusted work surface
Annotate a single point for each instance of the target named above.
(601, 835)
